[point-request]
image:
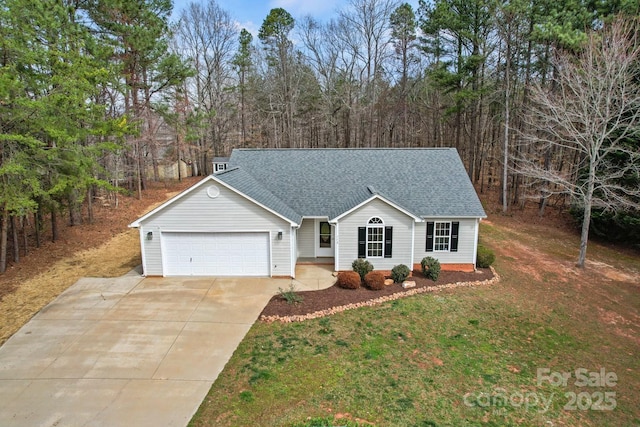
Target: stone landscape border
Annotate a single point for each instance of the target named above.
(377, 301)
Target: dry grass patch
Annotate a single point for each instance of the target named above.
(114, 258)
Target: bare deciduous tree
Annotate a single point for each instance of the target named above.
(207, 35)
(592, 113)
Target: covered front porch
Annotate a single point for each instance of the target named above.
(315, 242)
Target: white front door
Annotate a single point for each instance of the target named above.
(324, 239)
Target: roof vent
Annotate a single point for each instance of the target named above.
(371, 189)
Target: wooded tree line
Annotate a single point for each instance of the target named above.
(78, 84)
(96, 95)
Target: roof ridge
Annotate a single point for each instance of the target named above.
(350, 149)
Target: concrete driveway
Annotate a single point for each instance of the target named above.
(132, 350)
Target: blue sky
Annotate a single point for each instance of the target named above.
(251, 13)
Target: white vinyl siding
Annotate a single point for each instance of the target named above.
(228, 212)
(306, 238)
(466, 242)
(348, 239)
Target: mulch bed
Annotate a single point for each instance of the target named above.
(315, 301)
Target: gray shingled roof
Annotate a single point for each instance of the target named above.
(428, 182)
(242, 181)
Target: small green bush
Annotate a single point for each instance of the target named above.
(485, 257)
(362, 267)
(374, 280)
(349, 280)
(399, 273)
(430, 268)
(290, 295)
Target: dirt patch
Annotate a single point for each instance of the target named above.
(547, 255)
(612, 273)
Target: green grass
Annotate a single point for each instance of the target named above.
(448, 359)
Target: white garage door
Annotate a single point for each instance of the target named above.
(216, 254)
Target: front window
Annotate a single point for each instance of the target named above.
(442, 236)
(375, 238)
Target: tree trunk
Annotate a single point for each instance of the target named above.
(37, 218)
(54, 224)
(23, 229)
(4, 230)
(90, 205)
(139, 163)
(586, 219)
(505, 159)
(16, 240)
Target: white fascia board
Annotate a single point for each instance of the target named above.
(379, 197)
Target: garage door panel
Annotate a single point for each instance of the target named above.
(216, 254)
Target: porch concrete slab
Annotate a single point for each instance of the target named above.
(314, 277)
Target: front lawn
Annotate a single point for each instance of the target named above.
(470, 356)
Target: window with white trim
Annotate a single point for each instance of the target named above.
(441, 236)
(375, 238)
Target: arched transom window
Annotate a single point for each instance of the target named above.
(375, 237)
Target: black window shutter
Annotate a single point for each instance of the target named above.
(388, 239)
(430, 226)
(362, 242)
(454, 236)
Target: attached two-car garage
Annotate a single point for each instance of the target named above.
(216, 254)
(212, 229)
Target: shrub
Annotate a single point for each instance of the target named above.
(374, 280)
(430, 268)
(362, 267)
(485, 257)
(349, 280)
(399, 273)
(290, 295)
